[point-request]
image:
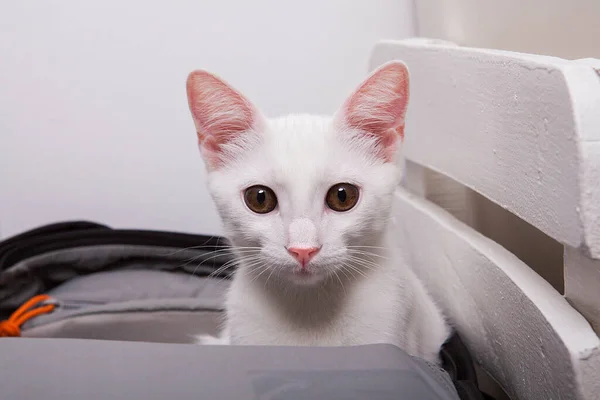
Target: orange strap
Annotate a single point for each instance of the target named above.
(12, 326)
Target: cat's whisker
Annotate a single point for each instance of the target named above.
(228, 264)
(354, 268)
(217, 247)
(219, 270)
(366, 253)
(363, 263)
(263, 268)
(364, 269)
(196, 248)
(218, 253)
(246, 258)
(205, 260)
(343, 271)
(367, 247)
(200, 247)
(254, 265)
(222, 252)
(269, 277)
(350, 269)
(335, 273)
(362, 259)
(358, 271)
(220, 273)
(252, 261)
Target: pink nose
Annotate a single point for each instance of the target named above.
(303, 254)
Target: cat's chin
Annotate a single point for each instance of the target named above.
(306, 278)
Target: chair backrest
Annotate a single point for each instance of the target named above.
(501, 200)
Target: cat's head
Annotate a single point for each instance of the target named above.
(303, 197)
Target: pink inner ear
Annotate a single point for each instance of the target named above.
(378, 106)
(376, 116)
(220, 113)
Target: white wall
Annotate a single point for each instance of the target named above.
(93, 115)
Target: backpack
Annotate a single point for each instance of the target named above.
(84, 280)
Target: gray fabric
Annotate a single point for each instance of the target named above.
(134, 290)
(153, 294)
(155, 326)
(70, 369)
(142, 305)
(27, 278)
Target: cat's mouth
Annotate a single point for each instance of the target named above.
(306, 275)
(302, 272)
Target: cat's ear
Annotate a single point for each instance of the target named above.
(377, 108)
(222, 115)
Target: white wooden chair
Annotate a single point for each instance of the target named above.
(506, 146)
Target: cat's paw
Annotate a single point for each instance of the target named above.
(212, 340)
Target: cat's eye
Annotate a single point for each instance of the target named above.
(342, 197)
(260, 199)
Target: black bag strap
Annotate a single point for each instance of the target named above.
(83, 233)
(457, 361)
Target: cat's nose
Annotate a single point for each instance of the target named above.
(303, 254)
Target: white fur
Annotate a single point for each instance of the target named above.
(300, 157)
(359, 289)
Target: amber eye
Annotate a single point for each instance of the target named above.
(260, 199)
(342, 197)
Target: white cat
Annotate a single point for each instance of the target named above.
(306, 203)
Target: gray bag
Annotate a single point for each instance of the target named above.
(138, 286)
